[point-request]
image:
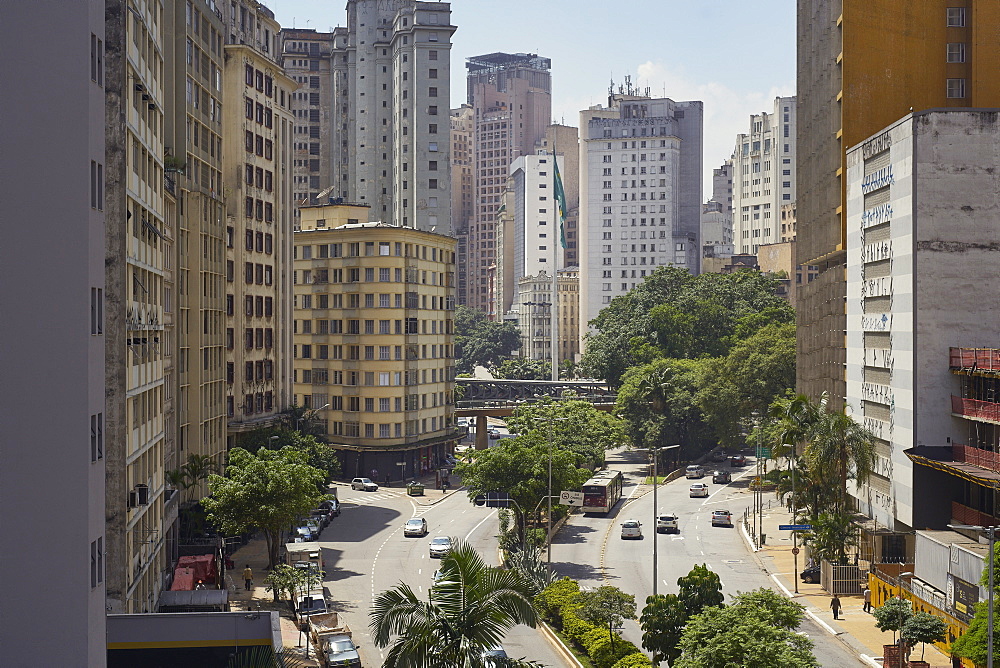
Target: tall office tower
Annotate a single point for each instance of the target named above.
(640, 194)
(763, 176)
(853, 80)
(318, 146)
(52, 337)
(461, 190)
(722, 186)
(258, 154)
(565, 141)
(374, 330)
(390, 71)
(512, 104)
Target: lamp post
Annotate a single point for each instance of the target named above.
(548, 532)
(300, 418)
(795, 534)
(757, 496)
(991, 536)
(654, 452)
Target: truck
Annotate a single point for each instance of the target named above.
(333, 641)
(305, 555)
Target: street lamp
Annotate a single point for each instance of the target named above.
(758, 497)
(654, 452)
(548, 532)
(301, 417)
(991, 537)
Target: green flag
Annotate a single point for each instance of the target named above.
(560, 203)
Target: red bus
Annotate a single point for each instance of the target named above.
(602, 492)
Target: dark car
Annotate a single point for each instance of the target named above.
(721, 477)
(810, 575)
(332, 504)
(719, 456)
(341, 651)
(738, 460)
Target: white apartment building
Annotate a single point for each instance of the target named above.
(763, 175)
(640, 195)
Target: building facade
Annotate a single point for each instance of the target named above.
(922, 241)
(534, 314)
(373, 340)
(510, 95)
(861, 67)
(763, 175)
(462, 190)
(640, 195)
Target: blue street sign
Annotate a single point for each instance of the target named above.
(795, 527)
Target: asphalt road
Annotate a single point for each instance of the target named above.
(365, 553)
(589, 548)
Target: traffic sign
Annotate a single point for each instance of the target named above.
(571, 498)
(795, 527)
(795, 550)
(764, 452)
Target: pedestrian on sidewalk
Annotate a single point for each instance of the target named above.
(868, 599)
(835, 606)
(248, 578)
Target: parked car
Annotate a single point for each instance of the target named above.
(694, 471)
(415, 527)
(340, 651)
(631, 529)
(314, 525)
(810, 575)
(722, 477)
(495, 656)
(333, 505)
(321, 515)
(310, 603)
(699, 489)
(450, 461)
(304, 534)
(738, 460)
(440, 546)
(722, 518)
(667, 523)
(364, 484)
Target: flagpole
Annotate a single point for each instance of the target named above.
(556, 235)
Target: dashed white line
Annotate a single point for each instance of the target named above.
(480, 523)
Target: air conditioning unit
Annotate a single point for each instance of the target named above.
(142, 495)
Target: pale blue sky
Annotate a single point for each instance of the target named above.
(734, 55)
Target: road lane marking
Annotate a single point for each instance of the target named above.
(725, 486)
(480, 523)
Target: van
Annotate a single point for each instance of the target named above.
(694, 471)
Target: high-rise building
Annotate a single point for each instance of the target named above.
(564, 140)
(640, 195)
(381, 110)
(374, 330)
(59, 216)
(722, 186)
(510, 95)
(861, 67)
(763, 175)
(258, 136)
(462, 190)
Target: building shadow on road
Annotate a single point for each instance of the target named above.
(578, 572)
(573, 534)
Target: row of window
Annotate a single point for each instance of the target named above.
(259, 209)
(353, 275)
(353, 429)
(261, 402)
(254, 78)
(259, 177)
(259, 338)
(372, 249)
(355, 352)
(259, 146)
(261, 370)
(262, 307)
(254, 273)
(262, 242)
(255, 111)
(370, 378)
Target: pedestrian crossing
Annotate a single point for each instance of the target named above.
(368, 498)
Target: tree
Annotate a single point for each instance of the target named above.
(893, 615)
(465, 613)
(303, 419)
(576, 426)
(266, 490)
(522, 368)
(846, 447)
(831, 536)
(535, 572)
(923, 628)
(973, 644)
(286, 579)
(758, 630)
(520, 467)
(662, 622)
(606, 606)
(193, 471)
(701, 588)
(481, 341)
(318, 454)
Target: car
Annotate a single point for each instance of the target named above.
(438, 576)
(415, 527)
(694, 471)
(738, 460)
(332, 505)
(494, 656)
(450, 460)
(632, 529)
(314, 525)
(667, 523)
(305, 533)
(493, 433)
(310, 603)
(719, 456)
(721, 477)
(699, 489)
(322, 515)
(810, 575)
(364, 484)
(440, 546)
(340, 651)
(722, 518)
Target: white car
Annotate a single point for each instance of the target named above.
(440, 546)
(699, 489)
(631, 529)
(365, 484)
(415, 527)
(667, 523)
(722, 518)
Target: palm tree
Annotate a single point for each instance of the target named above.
(793, 418)
(843, 447)
(467, 612)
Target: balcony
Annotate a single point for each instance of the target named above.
(976, 456)
(974, 359)
(987, 411)
(963, 514)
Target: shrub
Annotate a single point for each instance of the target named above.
(555, 598)
(575, 627)
(605, 656)
(637, 660)
(594, 638)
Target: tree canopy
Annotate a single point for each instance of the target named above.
(576, 426)
(266, 490)
(522, 368)
(318, 454)
(481, 341)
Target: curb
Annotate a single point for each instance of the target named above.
(558, 645)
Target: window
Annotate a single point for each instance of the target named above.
(956, 17)
(97, 562)
(956, 88)
(96, 311)
(96, 437)
(956, 52)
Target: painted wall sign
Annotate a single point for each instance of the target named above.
(878, 179)
(876, 145)
(876, 215)
(878, 322)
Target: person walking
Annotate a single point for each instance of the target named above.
(868, 599)
(835, 606)
(248, 578)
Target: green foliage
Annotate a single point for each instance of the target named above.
(831, 536)
(194, 470)
(923, 628)
(576, 426)
(529, 565)
(575, 627)
(593, 638)
(286, 579)
(607, 650)
(481, 341)
(893, 615)
(522, 368)
(662, 622)
(606, 606)
(303, 419)
(318, 454)
(701, 588)
(268, 490)
(465, 614)
(637, 660)
(556, 598)
(753, 631)
(973, 643)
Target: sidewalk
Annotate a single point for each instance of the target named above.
(856, 628)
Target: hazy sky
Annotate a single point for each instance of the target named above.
(734, 55)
